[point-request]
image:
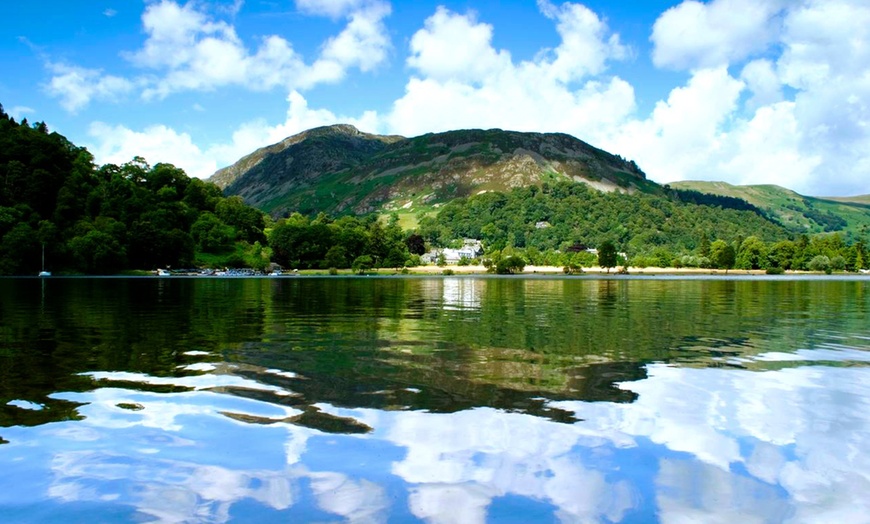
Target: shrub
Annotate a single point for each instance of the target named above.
(362, 264)
(820, 263)
(510, 265)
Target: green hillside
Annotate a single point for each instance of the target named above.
(339, 170)
(798, 213)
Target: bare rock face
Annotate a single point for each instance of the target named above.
(340, 169)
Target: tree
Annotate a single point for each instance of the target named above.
(362, 264)
(704, 247)
(752, 254)
(722, 255)
(416, 244)
(336, 257)
(510, 265)
(607, 255)
(211, 234)
(820, 263)
(782, 255)
(247, 221)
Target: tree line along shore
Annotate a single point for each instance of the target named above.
(57, 204)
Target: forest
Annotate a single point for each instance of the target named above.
(87, 219)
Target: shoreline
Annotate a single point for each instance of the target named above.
(597, 271)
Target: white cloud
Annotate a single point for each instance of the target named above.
(826, 57)
(330, 8)
(678, 140)
(463, 81)
(118, 145)
(761, 79)
(198, 53)
(586, 46)
(453, 47)
(701, 35)
(20, 112)
(109, 13)
(698, 134)
(77, 86)
(188, 49)
(362, 44)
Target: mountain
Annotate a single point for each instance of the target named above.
(798, 213)
(338, 169)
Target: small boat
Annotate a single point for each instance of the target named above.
(163, 273)
(44, 273)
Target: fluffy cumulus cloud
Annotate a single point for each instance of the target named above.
(119, 144)
(695, 34)
(461, 80)
(77, 86)
(814, 141)
(195, 52)
(189, 49)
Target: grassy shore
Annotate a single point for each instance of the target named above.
(554, 270)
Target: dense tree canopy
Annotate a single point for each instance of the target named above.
(102, 220)
(563, 214)
(300, 242)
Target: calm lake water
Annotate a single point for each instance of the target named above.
(434, 400)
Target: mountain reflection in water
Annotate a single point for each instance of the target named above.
(436, 400)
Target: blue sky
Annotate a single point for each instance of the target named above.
(744, 91)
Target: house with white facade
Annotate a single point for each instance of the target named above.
(471, 248)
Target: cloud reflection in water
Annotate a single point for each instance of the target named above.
(713, 445)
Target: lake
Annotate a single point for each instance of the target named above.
(467, 399)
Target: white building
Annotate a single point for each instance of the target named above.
(471, 248)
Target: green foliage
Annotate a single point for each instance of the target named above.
(722, 255)
(607, 255)
(211, 234)
(752, 254)
(416, 244)
(300, 242)
(578, 215)
(106, 219)
(510, 265)
(820, 263)
(362, 263)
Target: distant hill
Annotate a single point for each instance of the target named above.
(338, 169)
(798, 213)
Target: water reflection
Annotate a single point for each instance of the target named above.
(454, 400)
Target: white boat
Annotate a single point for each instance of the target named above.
(44, 273)
(163, 273)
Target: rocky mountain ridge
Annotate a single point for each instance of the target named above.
(339, 169)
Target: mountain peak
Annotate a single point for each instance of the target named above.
(339, 168)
